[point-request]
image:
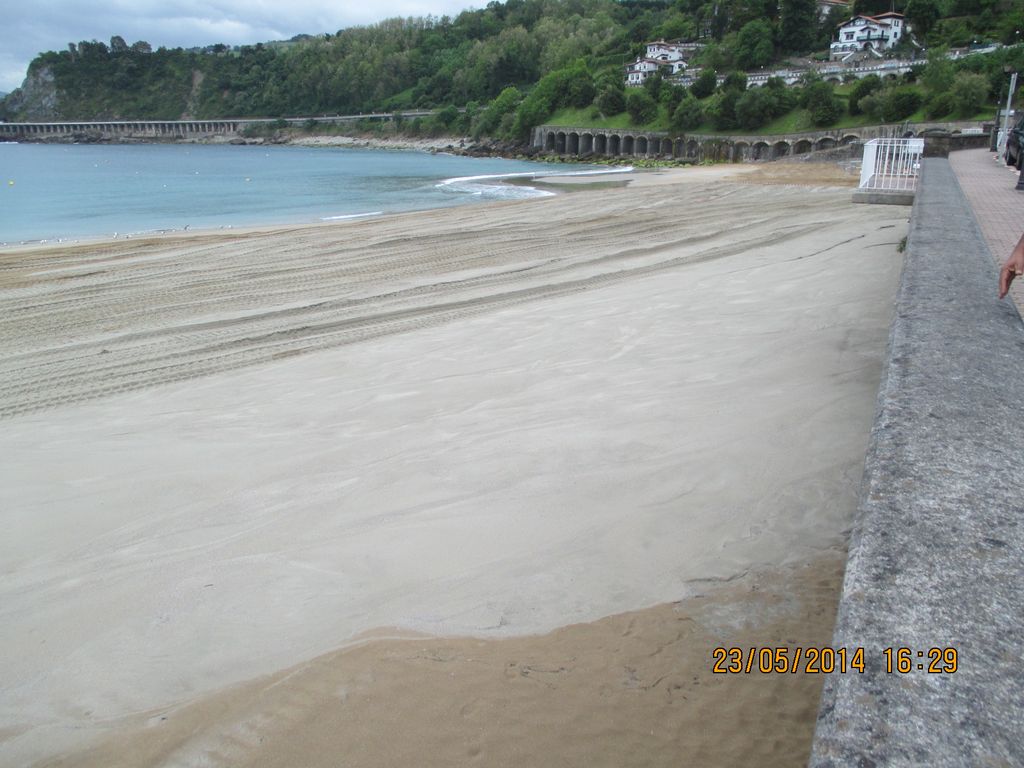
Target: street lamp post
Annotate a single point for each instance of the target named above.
(1006, 128)
(1006, 113)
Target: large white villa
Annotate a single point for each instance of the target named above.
(668, 58)
(871, 34)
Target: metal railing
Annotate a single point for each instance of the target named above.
(891, 164)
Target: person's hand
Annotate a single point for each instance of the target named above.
(1013, 268)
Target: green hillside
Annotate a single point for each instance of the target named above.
(513, 65)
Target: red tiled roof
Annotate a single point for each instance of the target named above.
(880, 19)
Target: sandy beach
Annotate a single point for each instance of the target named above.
(481, 486)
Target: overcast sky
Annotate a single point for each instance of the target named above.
(30, 27)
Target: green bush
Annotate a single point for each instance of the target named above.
(753, 108)
(754, 44)
(672, 96)
(489, 123)
(654, 84)
(447, 116)
(722, 110)
(969, 93)
(611, 101)
(937, 75)
(688, 114)
(641, 107)
(864, 87)
(570, 86)
(826, 112)
(903, 102)
(581, 92)
(822, 104)
(735, 81)
(939, 105)
(892, 104)
(783, 99)
(705, 84)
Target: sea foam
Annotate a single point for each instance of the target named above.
(478, 185)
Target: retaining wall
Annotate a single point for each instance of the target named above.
(937, 550)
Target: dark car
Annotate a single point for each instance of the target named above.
(1014, 155)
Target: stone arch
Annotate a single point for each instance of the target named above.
(760, 151)
(549, 141)
(891, 77)
(614, 145)
(802, 147)
(740, 151)
(642, 145)
(628, 145)
(849, 139)
(601, 144)
(666, 147)
(825, 142)
(780, 149)
(834, 79)
(692, 148)
(560, 142)
(587, 144)
(573, 144)
(679, 148)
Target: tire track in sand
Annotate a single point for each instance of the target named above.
(143, 322)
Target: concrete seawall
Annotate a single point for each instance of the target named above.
(937, 551)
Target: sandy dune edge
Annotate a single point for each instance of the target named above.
(635, 689)
(225, 456)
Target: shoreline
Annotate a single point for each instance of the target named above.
(231, 455)
(830, 174)
(512, 178)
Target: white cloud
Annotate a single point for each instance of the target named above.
(49, 25)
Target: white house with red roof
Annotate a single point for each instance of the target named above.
(668, 58)
(871, 34)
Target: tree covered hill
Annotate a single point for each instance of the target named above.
(524, 58)
(398, 63)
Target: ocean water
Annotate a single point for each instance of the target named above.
(63, 191)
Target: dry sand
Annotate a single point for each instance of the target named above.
(225, 457)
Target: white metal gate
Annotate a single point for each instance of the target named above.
(891, 164)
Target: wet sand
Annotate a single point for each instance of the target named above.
(227, 458)
(636, 689)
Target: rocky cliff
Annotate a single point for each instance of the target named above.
(36, 100)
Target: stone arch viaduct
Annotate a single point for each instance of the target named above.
(135, 129)
(627, 143)
(170, 130)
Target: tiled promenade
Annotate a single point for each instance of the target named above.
(989, 186)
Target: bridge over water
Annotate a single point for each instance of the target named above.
(630, 143)
(170, 130)
(120, 129)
